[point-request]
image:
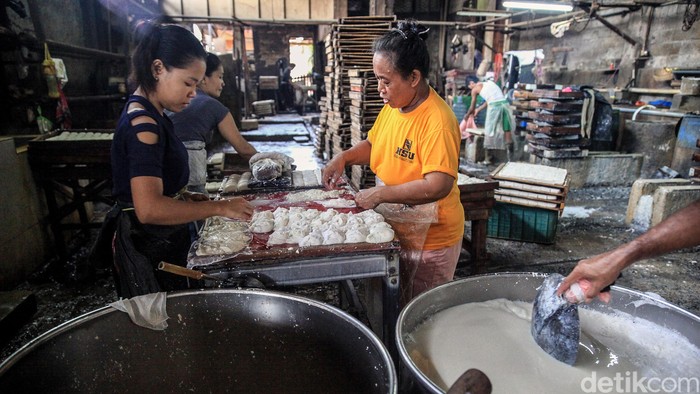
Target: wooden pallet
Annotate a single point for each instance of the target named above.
(554, 143)
(562, 153)
(353, 103)
(555, 119)
(556, 106)
(558, 94)
(552, 129)
(532, 185)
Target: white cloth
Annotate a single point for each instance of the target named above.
(146, 310)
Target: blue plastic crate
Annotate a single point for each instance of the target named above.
(521, 223)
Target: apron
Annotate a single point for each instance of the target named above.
(498, 120)
(198, 165)
(135, 249)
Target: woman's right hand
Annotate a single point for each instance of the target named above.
(236, 208)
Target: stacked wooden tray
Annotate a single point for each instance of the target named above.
(362, 177)
(552, 119)
(532, 185)
(365, 103)
(349, 49)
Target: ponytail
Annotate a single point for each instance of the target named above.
(174, 45)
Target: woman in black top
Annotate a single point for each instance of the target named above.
(150, 166)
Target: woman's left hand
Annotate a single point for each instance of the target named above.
(369, 198)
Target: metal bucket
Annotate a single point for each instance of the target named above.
(521, 287)
(216, 341)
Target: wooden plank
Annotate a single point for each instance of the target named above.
(359, 72)
(366, 27)
(523, 95)
(555, 119)
(476, 196)
(530, 203)
(247, 9)
(541, 86)
(296, 9)
(546, 93)
(223, 9)
(368, 103)
(529, 195)
(273, 9)
(172, 7)
(523, 105)
(477, 214)
(517, 185)
(556, 106)
(322, 9)
(480, 204)
(195, 7)
(558, 153)
(549, 129)
(364, 19)
(555, 143)
(534, 174)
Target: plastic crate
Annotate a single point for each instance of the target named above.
(521, 223)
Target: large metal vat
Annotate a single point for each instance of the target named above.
(521, 287)
(217, 341)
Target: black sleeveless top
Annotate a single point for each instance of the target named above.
(166, 159)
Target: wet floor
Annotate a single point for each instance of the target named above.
(593, 222)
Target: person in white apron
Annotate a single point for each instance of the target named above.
(499, 117)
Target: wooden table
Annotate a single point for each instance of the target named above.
(72, 174)
(477, 200)
(290, 265)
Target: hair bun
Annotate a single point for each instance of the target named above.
(411, 28)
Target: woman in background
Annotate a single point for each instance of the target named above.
(149, 223)
(196, 123)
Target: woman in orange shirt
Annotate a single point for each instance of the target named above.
(413, 148)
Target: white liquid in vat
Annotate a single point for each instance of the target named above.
(494, 336)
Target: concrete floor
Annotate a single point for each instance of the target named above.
(593, 222)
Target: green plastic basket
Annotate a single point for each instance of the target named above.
(522, 223)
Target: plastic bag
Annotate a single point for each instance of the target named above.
(411, 224)
(43, 122)
(146, 310)
(465, 125)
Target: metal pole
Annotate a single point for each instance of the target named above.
(651, 112)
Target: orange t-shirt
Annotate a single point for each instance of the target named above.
(406, 146)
